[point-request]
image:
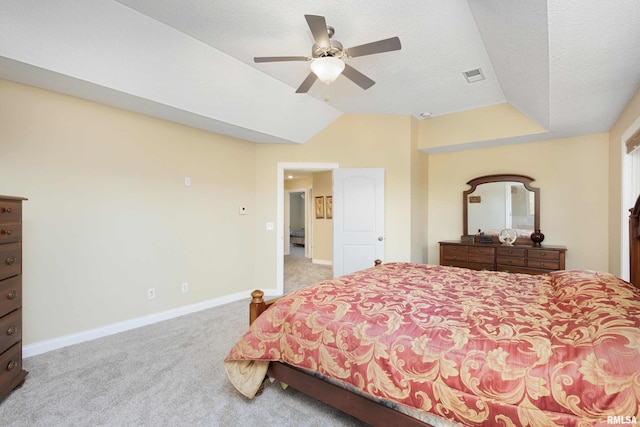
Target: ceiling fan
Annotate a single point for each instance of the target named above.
(327, 56)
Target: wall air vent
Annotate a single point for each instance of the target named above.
(473, 75)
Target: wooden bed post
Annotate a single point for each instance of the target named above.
(257, 305)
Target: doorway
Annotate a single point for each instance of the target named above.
(296, 229)
(281, 226)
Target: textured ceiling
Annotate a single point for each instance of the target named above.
(570, 66)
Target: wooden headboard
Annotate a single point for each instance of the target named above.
(634, 244)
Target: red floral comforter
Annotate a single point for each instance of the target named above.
(479, 348)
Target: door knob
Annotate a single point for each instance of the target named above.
(380, 238)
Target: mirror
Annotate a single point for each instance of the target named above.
(496, 202)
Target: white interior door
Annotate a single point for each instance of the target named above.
(358, 219)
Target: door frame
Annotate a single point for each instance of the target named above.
(287, 216)
(281, 167)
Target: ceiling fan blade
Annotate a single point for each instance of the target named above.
(307, 83)
(318, 27)
(280, 58)
(357, 77)
(380, 46)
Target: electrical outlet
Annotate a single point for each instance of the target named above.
(151, 293)
(185, 287)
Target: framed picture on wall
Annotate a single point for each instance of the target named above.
(329, 207)
(319, 206)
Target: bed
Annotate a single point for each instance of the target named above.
(296, 237)
(409, 344)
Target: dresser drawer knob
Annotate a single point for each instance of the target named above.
(12, 365)
(11, 260)
(12, 330)
(7, 210)
(7, 232)
(12, 294)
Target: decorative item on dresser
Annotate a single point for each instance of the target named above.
(11, 373)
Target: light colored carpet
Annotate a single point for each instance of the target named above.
(166, 374)
(300, 272)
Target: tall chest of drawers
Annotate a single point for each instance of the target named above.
(11, 373)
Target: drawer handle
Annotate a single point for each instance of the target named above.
(7, 232)
(12, 365)
(12, 294)
(11, 260)
(12, 330)
(7, 210)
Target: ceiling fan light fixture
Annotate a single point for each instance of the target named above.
(327, 68)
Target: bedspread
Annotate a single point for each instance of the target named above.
(478, 348)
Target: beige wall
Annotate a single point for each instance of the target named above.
(482, 124)
(353, 140)
(419, 198)
(617, 212)
(322, 227)
(109, 216)
(572, 175)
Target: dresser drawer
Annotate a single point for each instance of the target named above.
(10, 210)
(543, 254)
(10, 294)
(10, 260)
(511, 252)
(11, 367)
(520, 262)
(546, 265)
(454, 253)
(10, 231)
(480, 254)
(10, 329)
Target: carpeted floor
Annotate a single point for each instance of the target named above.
(299, 271)
(166, 374)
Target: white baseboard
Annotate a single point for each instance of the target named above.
(115, 328)
(321, 261)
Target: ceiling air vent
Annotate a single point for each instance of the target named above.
(473, 75)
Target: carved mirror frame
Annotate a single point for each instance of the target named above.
(525, 180)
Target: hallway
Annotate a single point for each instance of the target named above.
(300, 271)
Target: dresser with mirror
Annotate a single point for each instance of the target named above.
(500, 215)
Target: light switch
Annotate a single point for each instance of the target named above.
(269, 226)
(187, 181)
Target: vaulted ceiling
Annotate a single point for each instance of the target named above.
(570, 66)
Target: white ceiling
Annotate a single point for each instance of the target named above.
(571, 66)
